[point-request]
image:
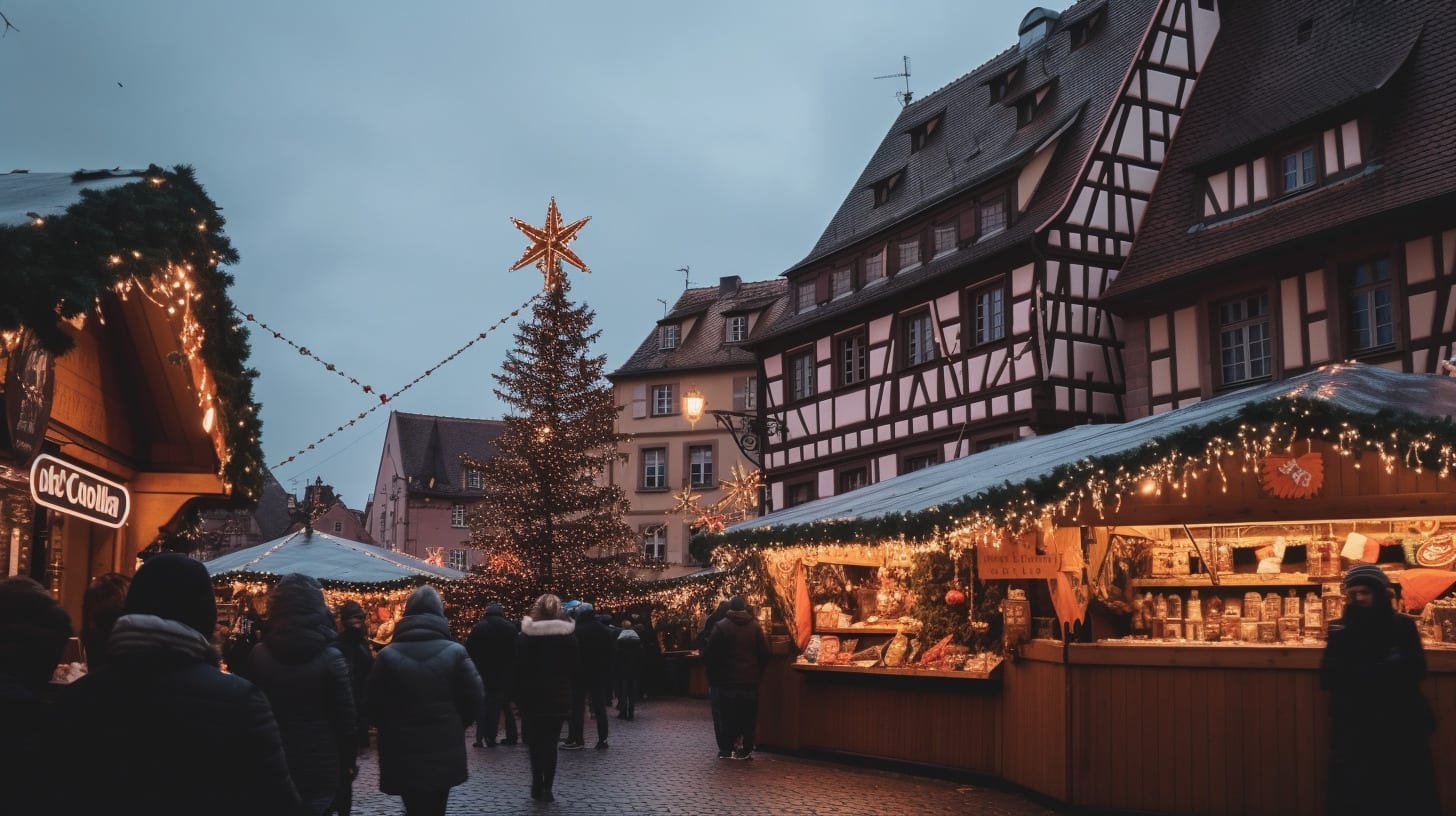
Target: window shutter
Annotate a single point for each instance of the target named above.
(639, 401)
(968, 225)
(740, 386)
(821, 288)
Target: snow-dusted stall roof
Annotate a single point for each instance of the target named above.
(327, 558)
(50, 194)
(1362, 389)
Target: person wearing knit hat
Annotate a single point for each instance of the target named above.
(1381, 726)
(157, 723)
(354, 643)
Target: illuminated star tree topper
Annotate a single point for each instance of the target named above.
(549, 245)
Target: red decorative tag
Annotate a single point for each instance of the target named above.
(1288, 477)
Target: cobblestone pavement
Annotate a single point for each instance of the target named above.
(665, 762)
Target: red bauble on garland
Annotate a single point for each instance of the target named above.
(955, 598)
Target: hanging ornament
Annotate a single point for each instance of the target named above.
(955, 598)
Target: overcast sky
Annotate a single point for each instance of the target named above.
(369, 156)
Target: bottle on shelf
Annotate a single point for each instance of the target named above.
(1314, 616)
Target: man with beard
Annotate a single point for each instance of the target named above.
(1380, 753)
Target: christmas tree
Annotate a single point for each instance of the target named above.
(547, 518)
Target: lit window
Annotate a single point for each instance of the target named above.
(909, 253)
(737, 328)
(750, 393)
(460, 560)
(1371, 311)
(919, 339)
(654, 543)
(875, 266)
(457, 515)
(1298, 169)
(990, 308)
(662, 401)
(804, 294)
(654, 468)
(801, 376)
(667, 337)
(840, 283)
(946, 236)
(852, 359)
(1243, 339)
(993, 214)
(700, 466)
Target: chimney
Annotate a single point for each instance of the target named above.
(728, 285)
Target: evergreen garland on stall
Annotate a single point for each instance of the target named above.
(60, 267)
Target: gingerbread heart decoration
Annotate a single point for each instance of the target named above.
(1293, 477)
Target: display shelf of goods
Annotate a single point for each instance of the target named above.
(1233, 580)
(991, 668)
(855, 630)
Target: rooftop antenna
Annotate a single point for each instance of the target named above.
(907, 94)
(686, 270)
(664, 306)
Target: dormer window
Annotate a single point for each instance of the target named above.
(946, 237)
(667, 336)
(1035, 26)
(909, 253)
(1082, 30)
(922, 134)
(1025, 110)
(841, 283)
(991, 211)
(737, 327)
(886, 186)
(1001, 85)
(804, 293)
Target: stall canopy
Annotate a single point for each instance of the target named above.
(1368, 404)
(328, 558)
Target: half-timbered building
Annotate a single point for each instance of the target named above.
(952, 303)
(1308, 211)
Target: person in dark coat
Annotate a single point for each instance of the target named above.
(101, 606)
(307, 681)
(492, 645)
(354, 643)
(629, 672)
(712, 671)
(594, 681)
(161, 729)
(738, 646)
(421, 695)
(33, 634)
(1381, 726)
(547, 657)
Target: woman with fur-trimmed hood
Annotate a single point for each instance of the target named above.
(547, 659)
(421, 695)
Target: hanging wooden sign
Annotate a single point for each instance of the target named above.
(1291, 477)
(1017, 557)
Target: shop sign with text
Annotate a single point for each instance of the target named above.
(71, 489)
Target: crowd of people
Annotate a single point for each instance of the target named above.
(162, 725)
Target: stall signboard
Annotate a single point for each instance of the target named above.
(29, 384)
(1017, 558)
(67, 487)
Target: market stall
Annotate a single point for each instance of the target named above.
(1158, 587)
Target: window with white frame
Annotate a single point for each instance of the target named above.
(1244, 341)
(919, 339)
(992, 214)
(909, 253)
(654, 468)
(654, 542)
(457, 515)
(667, 336)
(841, 283)
(700, 466)
(1297, 168)
(946, 236)
(805, 293)
(853, 364)
(1370, 305)
(473, 479)
(750, 393)
(801, 376)
(989, 304)
(662, 401)
(460, 560)
(737, 328)
(874, 266)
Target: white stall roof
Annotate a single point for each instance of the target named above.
(327, 558)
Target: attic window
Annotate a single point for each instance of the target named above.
(1082, 30)
(1306, 30)
(1035, 26)
(1025, 110)
(922, 134)
(884, 187)
(1001, 85)
(667, 337)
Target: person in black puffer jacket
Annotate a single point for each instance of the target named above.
(307, 680)
(547, 659)
(421, 695)
(160, 729)
(492, 645)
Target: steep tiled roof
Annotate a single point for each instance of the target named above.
(705, 347)
(432, 446)
(1260, 84)
(981, 141)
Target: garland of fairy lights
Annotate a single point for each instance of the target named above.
(384, 399)
(1169, 463)
(304, 350)
(161, 238)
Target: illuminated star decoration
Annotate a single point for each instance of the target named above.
(435, 556)
(549, 245)
(741, 491)
(687, 501)
(709, 520)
